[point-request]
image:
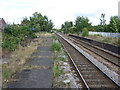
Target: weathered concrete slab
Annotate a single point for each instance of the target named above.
(41, 61)
(38, 77)
(43, 48)
(34, 79)
(42, 53)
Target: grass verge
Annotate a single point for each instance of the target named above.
(56, 48)
(59, 57)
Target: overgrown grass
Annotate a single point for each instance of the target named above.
(5, 72)
(110, 40)
(97, 35)
(62, 58)
(55, 69)
(17, 60)
(55, 46)
(53, 36)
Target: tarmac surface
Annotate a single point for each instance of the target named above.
(39, 77)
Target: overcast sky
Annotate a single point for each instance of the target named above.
(58, 10)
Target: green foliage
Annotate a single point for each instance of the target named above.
(5, 72)
(59, 30)
(55, 46)
(72, 29)
(67, 27)
(62, 58)
(53, 36)
(85, 32)
(114, 24)
(82, 22)
(13, 35)
(97, 35)
(39, 22)
(55, 69)
(10, 43)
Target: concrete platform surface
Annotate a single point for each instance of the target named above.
(39, 77)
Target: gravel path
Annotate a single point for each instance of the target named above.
(40, 77)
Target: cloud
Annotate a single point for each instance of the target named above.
(58, 10)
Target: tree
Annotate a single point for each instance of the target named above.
(49, 25)
(39, 22)
(25, 21)
(114, 25)
(85, 32)
(82, 22)
(72, 29)
(66, 26)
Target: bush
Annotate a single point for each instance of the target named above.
(13, 35)
(25, 30)
(11, 43)
(85, 32)
(55, 46)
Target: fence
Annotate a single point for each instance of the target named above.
(105, 34)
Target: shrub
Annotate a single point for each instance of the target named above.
(10, 43)
(85, 32)
(14, 34)
(55, 69)
(53, 36)
(55, 46)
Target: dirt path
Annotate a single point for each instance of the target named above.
(38, 73)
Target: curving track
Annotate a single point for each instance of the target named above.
(92, 76)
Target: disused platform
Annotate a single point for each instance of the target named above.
(41, 76)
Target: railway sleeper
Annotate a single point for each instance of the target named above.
(90, 71)
(91, 76)
(86, 68)
(98, 82)
(101, 86)
(93, 80)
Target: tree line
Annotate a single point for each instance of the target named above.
(82, 22)
(15, 35)
(38, 22)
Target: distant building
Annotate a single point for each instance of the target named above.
(2, 23)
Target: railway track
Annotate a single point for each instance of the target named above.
(91, 75)
(113, 58)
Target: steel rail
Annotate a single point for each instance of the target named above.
(92, 63)
(75, 67)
